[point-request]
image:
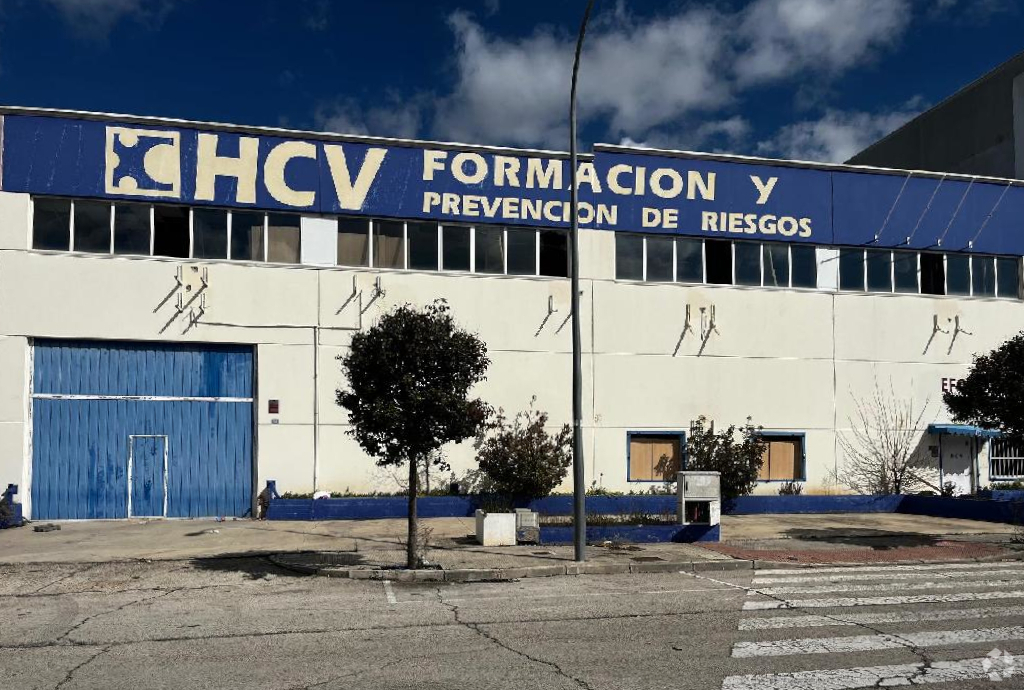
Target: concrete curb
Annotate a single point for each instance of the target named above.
(514, 573)
(590, 568)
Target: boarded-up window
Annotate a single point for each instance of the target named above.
(782, 459)
(654, 458)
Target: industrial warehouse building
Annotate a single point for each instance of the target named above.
(174, 295)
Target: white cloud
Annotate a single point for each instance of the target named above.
(787, 37)
(837, 135)
(95, 18)
(401, 118)
(713, 135)
(641, 78)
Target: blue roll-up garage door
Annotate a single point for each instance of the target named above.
(141, 430)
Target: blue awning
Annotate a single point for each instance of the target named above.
(961, 430)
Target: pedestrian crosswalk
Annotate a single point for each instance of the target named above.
(906, 625)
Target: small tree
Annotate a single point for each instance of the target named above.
(738, 460)
(409, 378)
(881, 452)
(520, 458)
(992, 394)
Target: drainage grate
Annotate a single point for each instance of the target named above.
(646, 559)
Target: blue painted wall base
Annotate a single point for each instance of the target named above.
(638, 534)
(995, 510)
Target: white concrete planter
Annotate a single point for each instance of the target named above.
(495, 529)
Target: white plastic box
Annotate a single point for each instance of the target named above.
(495, 529)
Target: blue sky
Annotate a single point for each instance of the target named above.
(810, 79)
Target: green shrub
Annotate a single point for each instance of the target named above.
(519, 458)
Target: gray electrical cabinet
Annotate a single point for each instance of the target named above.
(700, 498)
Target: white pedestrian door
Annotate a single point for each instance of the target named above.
(958, 460)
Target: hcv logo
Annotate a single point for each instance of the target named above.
(143, 162)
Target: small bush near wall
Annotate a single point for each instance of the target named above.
(519, 458)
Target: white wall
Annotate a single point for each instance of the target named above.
(790, 359)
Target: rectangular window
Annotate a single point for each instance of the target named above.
(247, 236)
(1008, 272)
(92, 227)
(904, 271)
(284, 238)
(879, 265)
(422, 246)
(489, 249)
(554, 254)
(170, 231)
(805, 266)
(718, 258)
(209, 233)
(353, 242)
(776, 265)
(388, 244)
(933, 274)
(659, 260)
(983, 273)
(51, 224)
(455, 248)
(782, 459)
(654, 457)
(522, 252)
(851, 269)
(629, 256)
(689, 261)
(748, 263)
(958, 274)
(132, 230)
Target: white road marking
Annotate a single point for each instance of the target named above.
(853, 577)
(781, 622)
(892, 567)
(867, 643)
(389, 593)
(872, 676)
(842, 602)
(884, 587)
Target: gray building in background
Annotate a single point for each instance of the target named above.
(979, 130)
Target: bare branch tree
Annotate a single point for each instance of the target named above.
(882, 451)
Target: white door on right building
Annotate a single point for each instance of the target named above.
(958, 461)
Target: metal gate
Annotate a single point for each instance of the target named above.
(141, 429)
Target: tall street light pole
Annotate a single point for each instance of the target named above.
(579, 509)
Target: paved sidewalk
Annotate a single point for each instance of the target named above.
(865, 538)
(367, 543)
(378, 544)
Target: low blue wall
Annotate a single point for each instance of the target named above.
(1007, 494)
(454, 506)
(764, 505)
(634, 534)
(369, 508)
(995, 510)
(963, 508)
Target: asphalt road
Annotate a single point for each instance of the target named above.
(243, 623)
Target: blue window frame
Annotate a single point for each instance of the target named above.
(646, 442)
(800, 469)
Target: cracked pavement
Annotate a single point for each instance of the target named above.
(244, 623)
